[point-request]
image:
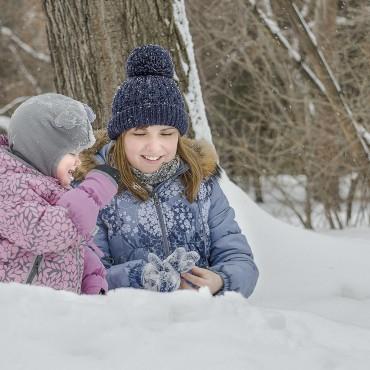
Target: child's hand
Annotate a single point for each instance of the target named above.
(181, 260)
(159, 275)
(202, 277)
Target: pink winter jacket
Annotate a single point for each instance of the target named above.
(45, 229)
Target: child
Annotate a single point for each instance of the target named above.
(44, 224)
(171, 225)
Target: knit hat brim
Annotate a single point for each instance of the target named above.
(154, 114)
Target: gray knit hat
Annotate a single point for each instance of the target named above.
(149, 95)
(46, 127)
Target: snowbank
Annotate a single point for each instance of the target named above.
(128, 329)
(310, 311)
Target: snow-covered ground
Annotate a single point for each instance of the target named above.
(310, 310)
(282, 192)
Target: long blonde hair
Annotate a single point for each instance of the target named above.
(191, 178)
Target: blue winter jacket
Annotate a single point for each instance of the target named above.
(129, 228)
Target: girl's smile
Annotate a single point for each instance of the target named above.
(147, 148)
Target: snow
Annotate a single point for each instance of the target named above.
(305, 25)
(193, 95)
(310, 311)
(285, 196)
(302, 266)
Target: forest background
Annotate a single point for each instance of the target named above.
(286, 92)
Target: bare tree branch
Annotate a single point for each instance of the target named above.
(276, 32)
(359, 149)
(27, 74)
(25, 47)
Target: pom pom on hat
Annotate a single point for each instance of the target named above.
(149, 60)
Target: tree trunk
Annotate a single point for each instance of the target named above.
(327, 186)
(90, 40)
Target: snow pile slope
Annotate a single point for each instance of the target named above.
(310, 311)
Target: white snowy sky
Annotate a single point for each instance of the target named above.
(310, 311)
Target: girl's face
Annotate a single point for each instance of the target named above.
(147, 148)
(65, 168)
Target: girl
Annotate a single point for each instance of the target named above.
(171, 225)
(44, 224)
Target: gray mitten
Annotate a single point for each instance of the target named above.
(181, 260)
(159, 275)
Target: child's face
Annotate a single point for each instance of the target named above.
(66, 167)
(147, 148)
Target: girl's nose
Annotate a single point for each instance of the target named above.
(153, 145)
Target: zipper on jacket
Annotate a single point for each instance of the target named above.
(158, 208)
(35, 269)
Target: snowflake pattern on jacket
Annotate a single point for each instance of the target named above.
(138, 223)
(128, 229)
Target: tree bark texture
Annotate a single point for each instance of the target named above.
(327, 188)
(90, 40)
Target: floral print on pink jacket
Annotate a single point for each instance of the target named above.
(44, 222)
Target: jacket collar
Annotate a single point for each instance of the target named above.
(98, 154)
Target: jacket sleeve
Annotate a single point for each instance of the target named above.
(230, 254)
(94, 274)
(42, 228)
(121, 275)
(84, 202)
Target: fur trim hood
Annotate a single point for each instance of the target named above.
(207, 156)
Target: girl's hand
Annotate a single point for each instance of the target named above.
(202, 277)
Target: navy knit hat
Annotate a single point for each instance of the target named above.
(149, 95)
